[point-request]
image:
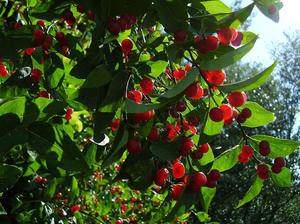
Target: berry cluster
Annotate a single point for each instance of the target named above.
(121, 23)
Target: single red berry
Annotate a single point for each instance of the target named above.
(65, 51)
(39, 37)
(115, 124)
(214, 175)
(193, 120)
(197, 154)
(38, 179)
(135, 96)
(180, 106)
(186, 146)
(279, 162)
(246, 112)
(262, 171)
(180, 36)
(238, 40)
(247, 150)
(134, 146)
(226, 35)
(154, 134)
(75, 208)
(187, 67)
(215, 77)
(147, 86)
(47, 43)
(114, 26)
(211, 183)
(144, 116)
(194, 91)
(243, 158)
(237, 99)
(44, 94)
(177, 191)
(216, 114)
(179, 74)
(44, 180)
(228, 112)
(241, 119)
(60, 37)
(204, 148)
(124, 208)
(35, 75)
(198, 180)
(40, 23)
(3, 70)
(161, 176)
(178, 170)
(264, 148)
(207, 44)
(127, 46)
(29, 51)
(58, 195)
(69, 112)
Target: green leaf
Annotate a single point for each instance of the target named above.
(252, 192)
(282, 179)
(279, 147)
(207, 157)
(51, 188)
(74, 188)
(207, 195)
(2, 210)
(250, 83)
(165, 151)
(227, 159)
(212, 127)
(132, 107)
(260, 116)
(145, 129)
(9, 176)
(99, 76)
(216, 7)
(182, 85)
(228, 58)
(157, 67)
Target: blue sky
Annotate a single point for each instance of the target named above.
(270, 32)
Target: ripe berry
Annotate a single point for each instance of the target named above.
(197, 154)
(35, 75)
(69, 112)
(179, 74)
(211, 183)
(214, 175)
(241, 119)
(180, 36)
(114, 26)
(75, 208)
(186, 146)
(3, 70)
(262, 171)
(194, 91)
(187, 67)
(238, 40)
(44, 94)
(161, 176)
(40, 23)
(216, 77)
(204, 148)
(246, 112)
(264, 148)
(28, 51)
(119, 221)
(44, 180)
(38, 179)
(80, 8)
(207, 44)
(228, 112)
(144, 116)
(279, 162)
(39, 37)
(197, 181)
(147, 86)
(47, 43)
(60, 37)
(178, 170)
(177, 190)
(135, 95)
(237, 99)
(180, 106)
(193, 120)
(115, 124)
(226, 35)
(248, 151)
(134, 146)
(243, 158)
(216, 114)
(154, 134)
(127, 46)
(58, 195)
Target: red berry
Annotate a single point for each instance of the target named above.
(276, 169)
(241, 119)
(44, 94)
(3, 70)
(39, 37)
(264, 148)
(144, 116)
(237, 99)
(243, 158)
(279, 162)
(147, 86)
(127, 46)
(180, 36)
(60, 37)
(75, 208)
(193, 120)
(246, 112)
(154, 134)
(69, 112)
(186, 146)
(47, 43)
(207, 44)
(211, 183)
(134, 146)
(178, 170)
(119, 221)
(216, 77)
(114, 26)
(197, 154)
(28, 51)
(180, 106)
(58, 195)
(226, 35)
(40, 23)
(179, 74)
(204, 148)
(177, 190)
(197, 181)
(216, 114)
(115, 124)
(80, 8)
(238, 40)
(194, 91)
(262, 171)
(247, 150)
(214, 175)
(35, 75)
(187, 67)
(161, 176)
(44, 180)
(38, 179)
(135, 95)
(228, 112)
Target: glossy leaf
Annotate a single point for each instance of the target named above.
(9, 175)
(99, 76)
(282, 179)
(207, 195)
(227, 159)
(252, 192)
